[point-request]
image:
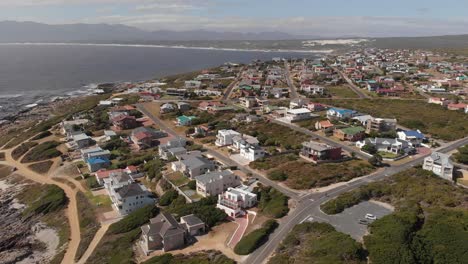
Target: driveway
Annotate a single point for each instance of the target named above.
(242, 223)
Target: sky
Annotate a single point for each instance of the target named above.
(322, 18)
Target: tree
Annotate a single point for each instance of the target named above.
(192, 185)
(371, 149)
(376, 160)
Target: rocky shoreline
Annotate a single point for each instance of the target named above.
(22, 240)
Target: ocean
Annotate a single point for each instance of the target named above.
(37, 73)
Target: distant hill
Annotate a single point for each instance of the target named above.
(435, 42)
(11, 31)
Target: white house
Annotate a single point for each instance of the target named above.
(216, 182)
(313, 89)
(439, 164)
(414, 137)
(235, 200)
(252, 153)
(294, 115)
(225, 137)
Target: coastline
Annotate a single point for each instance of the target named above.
(316, 51)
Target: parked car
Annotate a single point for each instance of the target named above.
(363, 222)
(371, 217)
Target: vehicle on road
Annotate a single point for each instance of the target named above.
(364, 222)
(371, 217)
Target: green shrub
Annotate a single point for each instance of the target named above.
(255, 239)
(42, 135)
(92, 183)
(277, 175)
(43, 151)
(272, 202)
(167, 198)
(22, 149)
(205, 209)
(134, 220)
(192, 185)
(50, 200)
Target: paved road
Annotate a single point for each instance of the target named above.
(309, 205)
(351, 85)
(231, 86)
(223, 157)
(292, 88)
(323, 138)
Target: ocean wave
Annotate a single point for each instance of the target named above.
(168, 46)
(6, 96)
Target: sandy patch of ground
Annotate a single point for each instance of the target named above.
(49, 238)
(385, 205)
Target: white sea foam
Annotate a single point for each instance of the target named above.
(168, 46)
(6, 96)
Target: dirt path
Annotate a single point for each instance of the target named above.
(72, 210)
(92, 246)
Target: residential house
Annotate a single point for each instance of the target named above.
(235, 200)
(192, 84)
(103, 174)
(414, 137)
(439, 101)
(94, 152)
(380, 125)
(389, 145)
(439, 164)
(183, 106)
(242, 140)
(225, 137)
(216, 182)
(172, 148)
(193, 225)
(315, 107)
(456, 107)
(109, 134)
(167, 108)
(324, 125)
(248, 101)
(338, 113)
(185, 120)
(298, 103)
(313, 89)
(207, 106)
(362, 119)
(126, 194)
(72, 127)
(319, 152)
(123, 122)
(163, 232)
(192, 164)
(95, 164)
(144, 137)
(252, 153)
(295, 115)
(81, 140)
(352, 134)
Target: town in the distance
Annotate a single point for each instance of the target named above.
(352, 157)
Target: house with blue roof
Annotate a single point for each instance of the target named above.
(95, 164)
(414, 137)
(338, 113)
(185, 120)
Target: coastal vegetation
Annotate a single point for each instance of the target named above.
(116, 245)
(429, 224)
(47, 200)
(271, 134)
(414, 114)
(462, 155)
(272, 202)
(43, 151)
(202, 257)
(42, 135)
(318, 243)
(342, 92)
(22, 149)
(20, 134)
(41, 167)
(88, 223)
(255, 239)
(205, 209)
(300, 174)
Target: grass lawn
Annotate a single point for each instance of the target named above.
(342, 92)
(429, 118)
(103, 202)
(388, 155)
(43, 151)
(41, 167)
(272, 161)
(22, 149)
(302, 175)
(177, 178)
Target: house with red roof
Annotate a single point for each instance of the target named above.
(456, 107)
(104, 174)
(145, 137)
(123, 122)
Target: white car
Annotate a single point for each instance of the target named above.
(371, 217)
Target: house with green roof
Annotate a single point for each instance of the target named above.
(352, 134)
(185, 120)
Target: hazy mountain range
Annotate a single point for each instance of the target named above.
(11, 31)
